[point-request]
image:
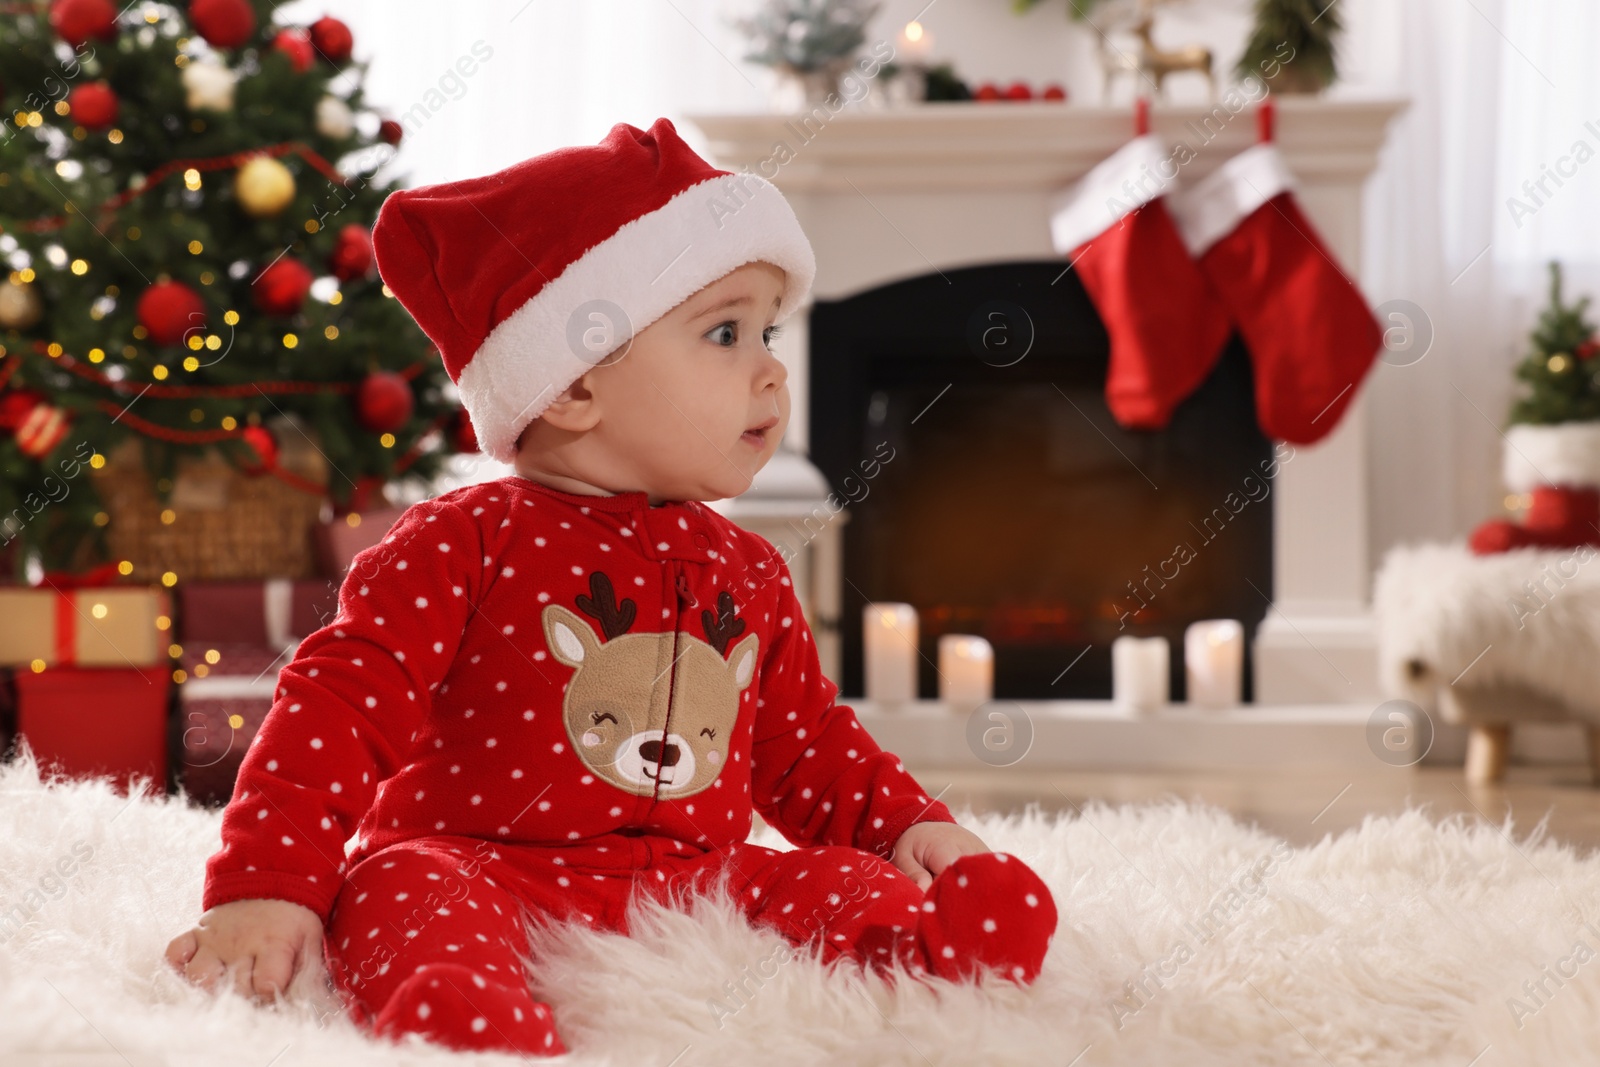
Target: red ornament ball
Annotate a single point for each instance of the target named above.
(463, 438)
(1019, 91)
(94, 105)
(15, 405)
(987, 92)
(1588, 349)
(265, 446)
(282, 288)
(383, 401)
(78, 20)
(351, 257)
(223, 23)
(332, 39)
(296, 44)
(1054, 91)
(169, 311)
(42, 429)
(390, 131)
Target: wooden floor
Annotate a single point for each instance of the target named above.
(1299, 807)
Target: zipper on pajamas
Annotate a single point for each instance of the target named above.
(686, 601)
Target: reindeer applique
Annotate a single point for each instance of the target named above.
(651, 713)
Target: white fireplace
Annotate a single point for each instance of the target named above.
(891, 194)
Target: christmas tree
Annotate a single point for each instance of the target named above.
(185, 201)
(1309, 28)
(1561, 372)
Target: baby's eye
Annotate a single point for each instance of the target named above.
(599, 716)
(723, 334)
(769, 333)
(708, 731)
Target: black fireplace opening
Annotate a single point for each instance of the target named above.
(960, 416)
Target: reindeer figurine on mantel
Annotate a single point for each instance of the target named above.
(1153, 64)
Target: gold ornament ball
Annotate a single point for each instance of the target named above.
(264, 187)
(1558, 363)
(20, 306)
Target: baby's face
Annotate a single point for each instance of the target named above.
(697, 404)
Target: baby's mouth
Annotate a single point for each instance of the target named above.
(757, 435)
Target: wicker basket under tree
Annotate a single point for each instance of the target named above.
(210, 520)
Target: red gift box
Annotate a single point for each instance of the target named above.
(88, 721)
(91, 625)
(221, 706)
(269, 614)
(338, 542)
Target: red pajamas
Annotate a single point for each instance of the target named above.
(537, 700)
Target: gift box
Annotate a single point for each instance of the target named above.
(228, 692)
(337, 542)
(90, 721)
(267, 614)
(86, 626)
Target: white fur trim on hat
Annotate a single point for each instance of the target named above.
(1565, 453)
(648, 267)
(1125, 180)
(1228, 195)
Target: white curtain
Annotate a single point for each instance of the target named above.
(561, 72)
(1499, 91)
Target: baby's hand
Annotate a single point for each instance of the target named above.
(260, 945)
(927, 848)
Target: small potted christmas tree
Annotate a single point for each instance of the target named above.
(1301, 30)
(1552, 450)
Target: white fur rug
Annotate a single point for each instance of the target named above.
(1403, 942)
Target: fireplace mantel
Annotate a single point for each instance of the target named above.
(894, 193)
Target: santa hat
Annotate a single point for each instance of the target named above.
(528, 277)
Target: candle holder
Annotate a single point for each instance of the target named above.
(966, 670)
(889, 643)
(1140, 673)
(1213, 660)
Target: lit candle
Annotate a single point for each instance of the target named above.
(966, 670)
(1213, 659)
(1139, 678)
(889, 637)
(914, 44)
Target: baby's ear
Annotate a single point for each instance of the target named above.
(575, 409)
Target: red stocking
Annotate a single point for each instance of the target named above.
(1165, 323)
(1310, 333)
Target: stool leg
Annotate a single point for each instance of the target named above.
(1487, 748)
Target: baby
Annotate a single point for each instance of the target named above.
(547, 695)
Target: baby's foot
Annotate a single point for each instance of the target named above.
(986, 910)
(451, 1005)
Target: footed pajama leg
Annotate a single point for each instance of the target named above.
(987, 911)
(422, 939)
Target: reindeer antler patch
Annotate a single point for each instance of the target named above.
(614, 618)
(724, 626)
